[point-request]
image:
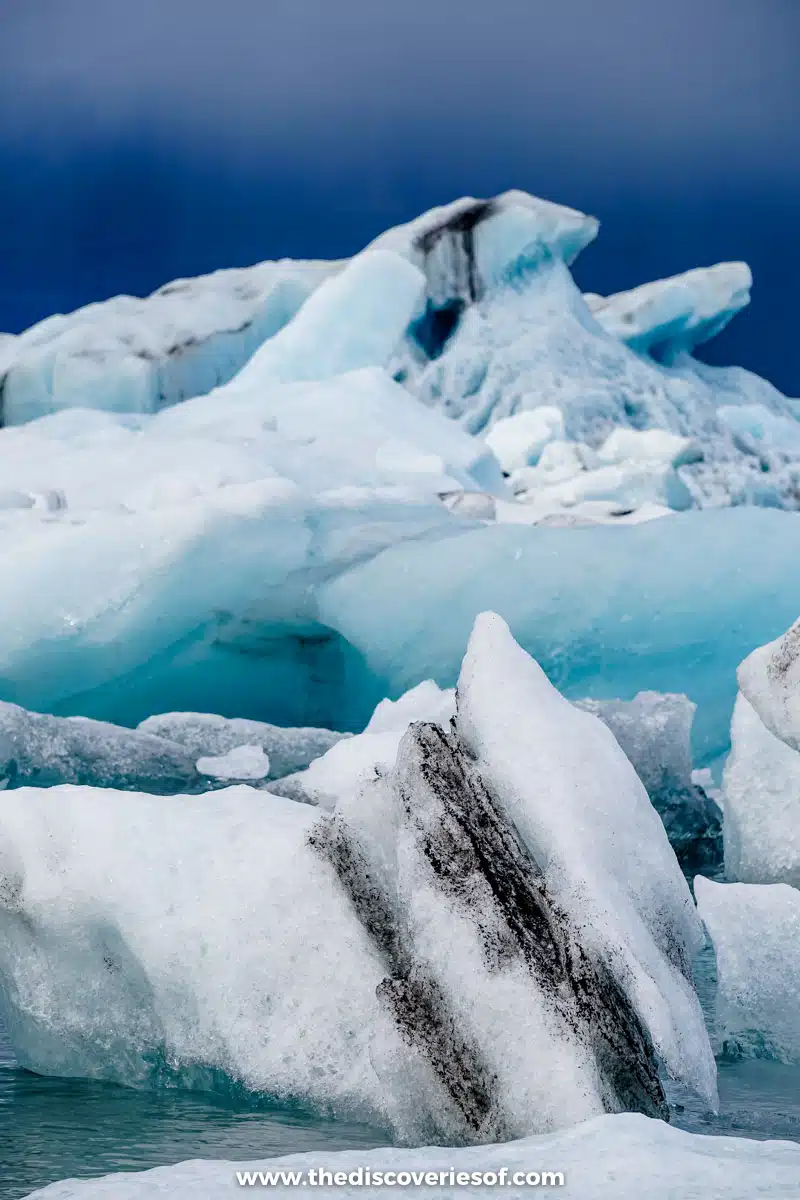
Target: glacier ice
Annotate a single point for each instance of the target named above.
(761, 780)
(327, 958)
(241, 764)
(671, 316)
(755, 929)
(622, 1157)
(518, 441)
(770, 680)
(42, 751)
(204, 734)
(761, 797)
(654, 731)
(131, 355)
(669, 607)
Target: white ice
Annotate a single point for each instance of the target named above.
(755, 929)
(761, 801)
(770, 679)
(624, 1157)
(242, 763)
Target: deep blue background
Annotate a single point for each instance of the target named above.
(144, 140)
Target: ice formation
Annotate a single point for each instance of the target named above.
(42, 751)
(203, 734)
(242, 763)
(130, 355)
(756, 934)
(655, 733)
(770, 679)
(541, 887)
(624, 1157)
(761, 795)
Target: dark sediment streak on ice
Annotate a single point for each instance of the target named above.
(480, 863)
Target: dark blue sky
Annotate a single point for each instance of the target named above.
(148, 139)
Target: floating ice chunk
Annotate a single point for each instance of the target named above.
(428, 986)
(655, 733)
(518, 441)
(620, 1157)
(761, 789)
(42, 751)
(587, 820)
(770, 679)
(355, 319)
(137, 355)
(204, 734)
(241, 763)
(673, 315)
(756, 934)
(649, 445)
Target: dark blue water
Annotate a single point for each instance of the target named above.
(54, 1128)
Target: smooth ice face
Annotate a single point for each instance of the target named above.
(42, 751)
(622, 1157)
(761, 790)
(770, 680)
(355, 319)
(670, 608)
(587, 820)
(204, 734)
(756, 934)
(131, 355)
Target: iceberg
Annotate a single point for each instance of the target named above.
(206, 735)
(132, 355)
(655, 731)
(542, 888)
(755, 929)
(672, 316)
(43, 751)
(620, 1157)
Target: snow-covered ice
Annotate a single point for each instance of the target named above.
(624, 1157)
(755, 929)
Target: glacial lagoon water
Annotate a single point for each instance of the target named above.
(54, 1128)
